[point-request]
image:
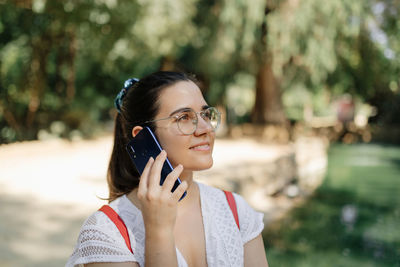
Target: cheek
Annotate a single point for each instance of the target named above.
(175, 148)
(173, 154)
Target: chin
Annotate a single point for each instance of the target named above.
(201, 166)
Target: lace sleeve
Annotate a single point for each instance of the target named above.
(250, 221)
(100, 241)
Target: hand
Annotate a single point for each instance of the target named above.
(159, 204)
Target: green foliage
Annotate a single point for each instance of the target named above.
(305, 38)
(71, 57)
(226, 32)
(340, 46)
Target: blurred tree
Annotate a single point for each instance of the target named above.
(284, 44)
(50, 48)
(222, 48)
(368, 64)
(66, 60)
(300, 42)
(339, 46)
(268, 107)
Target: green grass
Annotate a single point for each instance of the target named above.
(362, 180)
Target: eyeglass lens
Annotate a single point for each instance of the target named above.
(188, 120)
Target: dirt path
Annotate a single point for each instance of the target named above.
(48, 188)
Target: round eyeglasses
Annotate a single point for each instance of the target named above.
(187, 119)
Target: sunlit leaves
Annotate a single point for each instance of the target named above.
(306, 33)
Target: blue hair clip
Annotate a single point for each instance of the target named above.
(127, 85)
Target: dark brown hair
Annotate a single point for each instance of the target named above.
(139, 105)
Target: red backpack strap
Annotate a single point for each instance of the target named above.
(232, 205)
(114, 217)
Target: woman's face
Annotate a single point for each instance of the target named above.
(193, 151)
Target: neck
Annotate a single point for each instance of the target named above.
(191, 192)
(187, 176)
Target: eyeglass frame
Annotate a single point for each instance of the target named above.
(197, 118)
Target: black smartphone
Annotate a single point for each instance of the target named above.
(145, 145)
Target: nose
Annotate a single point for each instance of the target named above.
(203, 126)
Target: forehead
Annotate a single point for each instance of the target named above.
(180, 95)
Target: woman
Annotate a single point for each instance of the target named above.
(198, 230)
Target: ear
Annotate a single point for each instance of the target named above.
(136, 130)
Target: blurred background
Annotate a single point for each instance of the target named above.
(310, 97)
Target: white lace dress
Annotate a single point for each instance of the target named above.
(100, 241)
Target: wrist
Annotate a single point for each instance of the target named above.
(159, 232)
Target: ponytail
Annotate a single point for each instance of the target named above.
(122, 176)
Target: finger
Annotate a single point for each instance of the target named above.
(155, 172)
(171, 178)
(177, 194)
(144, 178)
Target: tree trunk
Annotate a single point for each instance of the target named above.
(71, 65)
(37, 77)
(268, 108)
(23, 3)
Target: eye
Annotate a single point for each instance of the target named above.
(206, 114)
(183, 117)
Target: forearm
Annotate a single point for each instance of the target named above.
(160, 248)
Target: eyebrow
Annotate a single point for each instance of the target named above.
(186, 109)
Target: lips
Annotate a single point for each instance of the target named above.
(201, 146)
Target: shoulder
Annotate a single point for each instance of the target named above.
(96, 225)
(250, 221)
(99, 240)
